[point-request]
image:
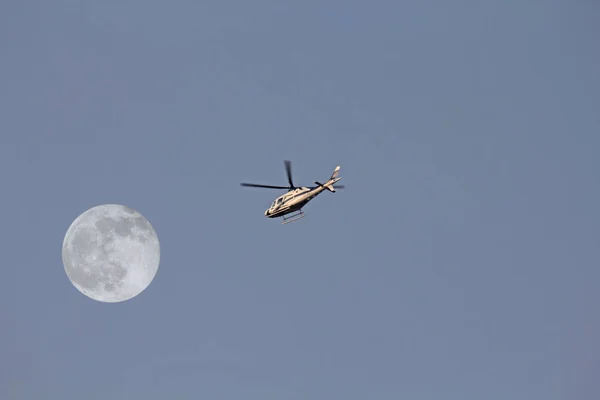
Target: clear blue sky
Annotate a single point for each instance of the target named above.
(460, 262)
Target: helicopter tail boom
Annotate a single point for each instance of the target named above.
(333, 179)
(329, 185)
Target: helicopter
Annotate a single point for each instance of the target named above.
(289, 205)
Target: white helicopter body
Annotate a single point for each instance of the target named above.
(296, 197)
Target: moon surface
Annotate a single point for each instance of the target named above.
(111, 253)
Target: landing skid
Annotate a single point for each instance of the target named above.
(292, 217)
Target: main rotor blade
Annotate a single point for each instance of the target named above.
(288, 170)
(263, 186)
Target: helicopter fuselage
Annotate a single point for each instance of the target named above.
(294, 200)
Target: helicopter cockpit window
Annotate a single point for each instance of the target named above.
(279, 201)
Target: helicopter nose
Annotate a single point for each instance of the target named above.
(266, 213)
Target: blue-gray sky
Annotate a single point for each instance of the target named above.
(460, 262)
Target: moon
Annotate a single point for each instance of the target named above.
(111, 253)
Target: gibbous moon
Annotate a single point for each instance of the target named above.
(111, 253)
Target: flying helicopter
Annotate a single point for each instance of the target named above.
(289, 205)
